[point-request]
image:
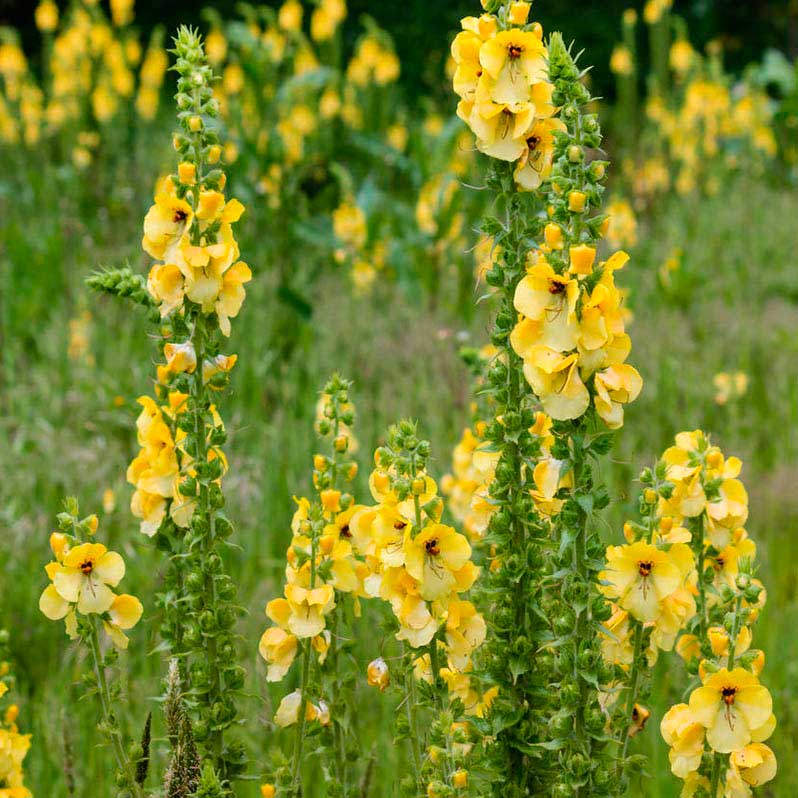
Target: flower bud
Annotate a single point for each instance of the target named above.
(378, 674)
(577, 201)
(460, 777)
(519, 13)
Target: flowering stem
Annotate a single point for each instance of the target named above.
(735, 631)
(296, 786)
(307, 664)
(109, 720)
(581, 632)
(634, 686)
(411, 708)
(698, 551)
(206, 511)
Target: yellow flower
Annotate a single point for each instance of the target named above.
(433, 556)
(681, 56)
(514, 60)
(124, 614)
(685, 736)
(46, 16)
(500, 129)
(733, 707)
(465, 631)
(289, 17)
(302, 611)
(232, 294)
(756, 764)
(554, 377)
(519, 13)
(165, 223)
(82, 579)
(640, 576)
(621, 61)
(616, 647)
(616, 386)
(288, 712)
(278, 647)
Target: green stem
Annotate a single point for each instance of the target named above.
(634, 686)
(208, 540)
(698, 551)
(582, 631)
(123, 762)
(296, 786)
(735, 631)
(307, 665)
(411, 708)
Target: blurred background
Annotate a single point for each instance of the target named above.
(361, 186)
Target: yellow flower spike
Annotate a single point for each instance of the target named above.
(581, 258)
(577, 201)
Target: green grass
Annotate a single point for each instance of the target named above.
(61, 432)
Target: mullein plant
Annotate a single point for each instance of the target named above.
(83, 576)
(684, 580)
(195, 288)
(423, 568)
(559, 385)
(312, 621)
(14, 746)
(717, 739)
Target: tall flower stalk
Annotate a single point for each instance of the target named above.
(562, 346)
(197, 287)
(80, 592)
(325, 574)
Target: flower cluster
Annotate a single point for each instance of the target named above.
(421, 566)
(14, 746)
(197, 286)
(505, 96)
(717, 737)
(324, 557)
(82, 577)
(571, 327)
(81, 580)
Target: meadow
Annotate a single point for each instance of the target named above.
(712, 288)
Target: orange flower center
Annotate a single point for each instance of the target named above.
(87, 566)
(645, 568)
(728, 694)
(556, 286)
(515, 51)
(532, 142)
(180, 216)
